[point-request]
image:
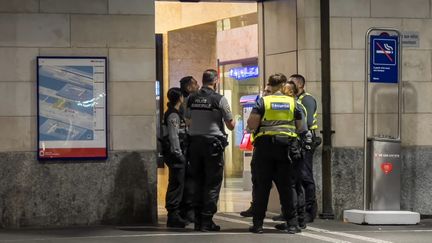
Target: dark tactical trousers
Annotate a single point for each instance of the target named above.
(207, 174)
(176, 183)
(308, 183)
(271, 163)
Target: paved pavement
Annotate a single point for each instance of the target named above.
(234, 229)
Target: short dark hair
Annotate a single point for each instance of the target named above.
(300, 78)
(184, 82)
(209, 76)
(294, 87)
(277, 79)
(174, 95)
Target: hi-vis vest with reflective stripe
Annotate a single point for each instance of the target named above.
(314, 124)
(278, 116)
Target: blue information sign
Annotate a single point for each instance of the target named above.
(384, 59)
(241, 73)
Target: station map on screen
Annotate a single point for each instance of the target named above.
(71, 107)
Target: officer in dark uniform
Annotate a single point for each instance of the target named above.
(207, 111)
(188, 86)
(309, 102)
(174, 153)
(276, 119)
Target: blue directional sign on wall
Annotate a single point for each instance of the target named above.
(384, 59)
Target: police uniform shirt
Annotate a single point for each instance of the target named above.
(259, 108)
(174, 129)
(209, 122)
(310, 104)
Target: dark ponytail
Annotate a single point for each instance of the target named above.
(174, 95)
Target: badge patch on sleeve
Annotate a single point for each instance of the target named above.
(280, 106)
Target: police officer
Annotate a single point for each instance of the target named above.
(188, 86)
(175, 135)
(207, 111)
(275, 119)
(309, 102)
(290, 89)
(248, 212)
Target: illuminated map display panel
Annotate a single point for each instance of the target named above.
(72, 107)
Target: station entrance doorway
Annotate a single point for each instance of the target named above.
(198, 36)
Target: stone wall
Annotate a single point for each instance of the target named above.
(349, 21)
(121, 189)
(191, 50)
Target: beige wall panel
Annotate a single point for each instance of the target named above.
(113, 31)
(358, 97)
(193, 14)
(401, 8)
(18, 134)
(314, 88)
(34, 30)
(349, 130)
(281, 63)
(191, 51)
(174, 15)
(74, 6)
(131, 7)
(132, 64)
(193, 42)
(18, 64)
(417, 97)
(132, 98)
(74, 52)
(416, 65)
(165, 15)
(19, 6)
(280, 26)
(309, 64)
(423, 26)
(347, 65)
(350, 8)
(417, 129)
(360, 26)
(308, 8)
(133, 132)
(340, 33)
(342, 97)
(194, 67)
(18, 98)
(309, 33)
(231, 44)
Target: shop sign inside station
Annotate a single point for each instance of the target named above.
(242, 73)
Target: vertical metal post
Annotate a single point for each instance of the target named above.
(366, 111)
(366, 107)
(327, 201)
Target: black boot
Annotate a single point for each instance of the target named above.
(257, 227)
(302, 224)
(279, 217)
(292, 229)
(289, 229)
(188, 216)
(207, 223)
(175, 221)
(247, 213)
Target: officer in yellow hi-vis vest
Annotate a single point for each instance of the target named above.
(275, 120)
(308, 182)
